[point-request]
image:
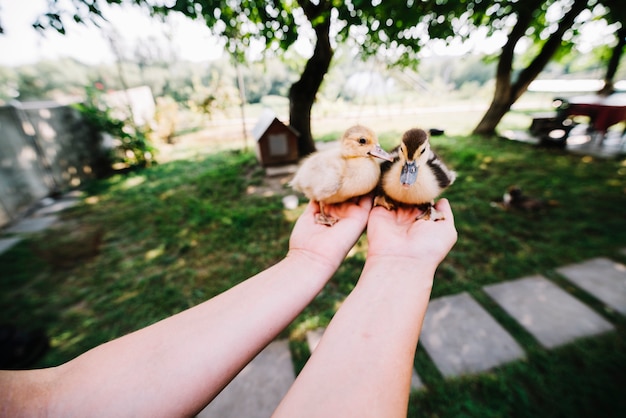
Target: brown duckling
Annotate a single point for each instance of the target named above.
(514, 198)
(417, 176)
(339, 174)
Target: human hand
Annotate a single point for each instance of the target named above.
(396, 233)
(330, 245)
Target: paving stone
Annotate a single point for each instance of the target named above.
(56, 207)
(258, 388)
(462, 338)
(601, 277)
(32, 225)
(7, 243)
(313, 338)
(550, 314)
(416, 382)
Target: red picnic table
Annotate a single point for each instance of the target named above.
(603, 111)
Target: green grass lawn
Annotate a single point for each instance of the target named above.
(178, 233)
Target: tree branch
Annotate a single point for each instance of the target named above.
(528, 74)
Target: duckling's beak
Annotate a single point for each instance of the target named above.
(409, 173)
(378, 152)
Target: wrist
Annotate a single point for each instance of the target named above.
(312, 262)
(402, 266)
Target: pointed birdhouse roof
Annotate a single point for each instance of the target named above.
(266, 119)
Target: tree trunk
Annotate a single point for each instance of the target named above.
(502, 96)
(611, 69)
(491, 118)
(507, 92)
(303, 92)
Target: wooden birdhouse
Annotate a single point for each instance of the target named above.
(276, 143)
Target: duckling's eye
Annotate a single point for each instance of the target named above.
(362, 141)
(422, 151)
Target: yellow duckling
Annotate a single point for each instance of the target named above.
(415, 177)
(338, 174)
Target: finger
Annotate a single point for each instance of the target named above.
(366, 201)
(407, 214)
(312, 208)
(443, 205)
(379, 212)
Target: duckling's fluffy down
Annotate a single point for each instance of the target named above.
(327, 176)
(432, 179)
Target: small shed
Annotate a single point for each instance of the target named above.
(276, 143)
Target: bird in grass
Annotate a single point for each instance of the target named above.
(515, 198)
(416, 176)
(339, 174)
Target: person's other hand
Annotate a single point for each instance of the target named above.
(330, 244)
(396, 233)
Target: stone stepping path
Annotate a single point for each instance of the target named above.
(39, 221)
(550, 314)
(25, 226)
(29, 225)
(462, 338)
(458, 334)
(8, 243)
(55, 206)
(258, 388)
(602, 278)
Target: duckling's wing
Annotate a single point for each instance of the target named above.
(319, 176)
(445, 177)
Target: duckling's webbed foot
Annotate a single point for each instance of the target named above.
(429, 212)
(381, 200)
(324, 219)
(436, 215)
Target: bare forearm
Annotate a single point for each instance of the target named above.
(363, 364)
(176, 366)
